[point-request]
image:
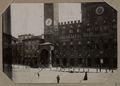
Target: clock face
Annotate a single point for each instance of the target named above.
(48, 22)
(99, 10)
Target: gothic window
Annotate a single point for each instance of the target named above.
(78, 25)
(68, 36)
(63, 36)
(64, 43)
(101, 52)
(88, 24)
(57, 44)
(105, 28)
(88, 55)
(37, 41)
(105, 45)
(114, 20)
(29, 42)
(71, 43)
(71, 26)
(80, 55)
(64, 27)
(72, 35)
(100, 28)
(79, 42)
(97, 46)
(70, 31)
(88, 42)
(75, 36)
(78, 30)
(96, 29)
(63, 32)
(88, 29)
(114, 26)
(104, 21)
(96, 23)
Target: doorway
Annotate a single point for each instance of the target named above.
(44, 58)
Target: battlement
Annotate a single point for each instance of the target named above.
(69, 22)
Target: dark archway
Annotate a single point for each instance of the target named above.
(44, 58)
(64, 62)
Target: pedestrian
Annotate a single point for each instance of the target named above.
(38, 74)
(58, 79)
(85, 76)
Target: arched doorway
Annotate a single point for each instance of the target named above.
(64, 62)
(44, 58)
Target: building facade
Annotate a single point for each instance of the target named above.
(31, 50)
(90, 43)
(26, 50)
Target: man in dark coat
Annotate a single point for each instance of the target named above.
(58, 79)
(85, 77)
(38, 74)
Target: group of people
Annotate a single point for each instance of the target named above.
(85, 77)
(58, 77)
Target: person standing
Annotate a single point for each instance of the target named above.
(58, 79)
(86, 76)
(38, 74)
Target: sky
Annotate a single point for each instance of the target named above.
(29, 17)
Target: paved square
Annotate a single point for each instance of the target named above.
(23, 74)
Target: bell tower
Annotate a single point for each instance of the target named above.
(50, 21)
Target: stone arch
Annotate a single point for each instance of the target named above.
(44, 57)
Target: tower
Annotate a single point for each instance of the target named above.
(50, 21)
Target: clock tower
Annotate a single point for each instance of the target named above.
(50, 21)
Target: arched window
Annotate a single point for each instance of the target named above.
(78, 30)
(71, 43)
(63, 27)
(79, 43)
(78, 25)
(64, 43)
(71, 26)
(70, 31)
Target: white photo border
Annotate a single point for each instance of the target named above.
(113, 80)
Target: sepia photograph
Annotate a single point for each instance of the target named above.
(59, 42)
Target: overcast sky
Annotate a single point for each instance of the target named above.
(29, 18)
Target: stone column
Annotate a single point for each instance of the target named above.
(86, 61)
(68, 62)
(93, 62)
(76, 62)
(50, 60)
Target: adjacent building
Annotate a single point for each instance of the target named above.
(25, 50)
